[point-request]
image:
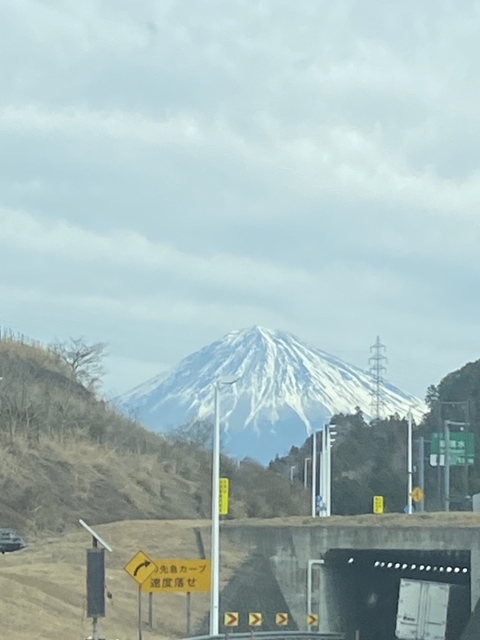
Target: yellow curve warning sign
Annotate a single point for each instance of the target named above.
(140, 567)
(178, 575)
(417, 494)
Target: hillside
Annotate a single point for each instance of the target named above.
(65, 454)
(371, 459)
(455, 398)
(367, 459)
(47, 580)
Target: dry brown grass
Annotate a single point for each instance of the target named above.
(47, 485)
(43, 586)
(454, 519)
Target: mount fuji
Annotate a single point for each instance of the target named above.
(284, 389)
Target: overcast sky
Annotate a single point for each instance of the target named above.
(171, 170)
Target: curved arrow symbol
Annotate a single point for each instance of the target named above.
(142, 564)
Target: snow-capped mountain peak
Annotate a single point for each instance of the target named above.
(284, 388)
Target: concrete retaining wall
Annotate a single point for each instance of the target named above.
(289, 548)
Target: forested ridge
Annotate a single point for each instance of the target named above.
(370, 458)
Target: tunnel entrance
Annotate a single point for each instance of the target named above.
(367, 585)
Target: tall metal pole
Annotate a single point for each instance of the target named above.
(188, 612)
(150, 610)
(305, 473)
(324, 470)
(328, 471)
(215, 554)
(95, 634)
(421, 471)
(314, 472)
(467, 428)
(330, 447)
(447, 466)
(438, 421)
(328, 467)
(139, 612)
(409, 464)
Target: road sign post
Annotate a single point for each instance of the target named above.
(178, 575)
(417, 494)
(95, 583)
(447, 466)
(230, 619)
(312, 620)
(281, 619)
(409, 462)
(95, 578)
(188, 612)
(168, 576)
(150, 611)
(378, 504)
(254, 619)
(224, 489)
(140, 567)
(421, 471)
(139, 612)
(461, 448)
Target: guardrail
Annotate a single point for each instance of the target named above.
(291, 635)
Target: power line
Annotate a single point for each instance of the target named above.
(377, 370)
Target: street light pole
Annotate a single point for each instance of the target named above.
(447, 465)
(409, 464)
(314, 472)
(323, 472)
(328, 471)
(215, 551)
(215, 554)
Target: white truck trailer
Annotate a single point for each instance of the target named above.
(422, 610)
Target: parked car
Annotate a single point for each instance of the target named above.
(11, 540)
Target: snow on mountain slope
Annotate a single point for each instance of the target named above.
(284, 389)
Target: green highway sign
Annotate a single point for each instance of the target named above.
(461, 449)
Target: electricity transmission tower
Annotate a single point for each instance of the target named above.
(377, 363)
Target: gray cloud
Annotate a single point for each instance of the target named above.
(172, 170)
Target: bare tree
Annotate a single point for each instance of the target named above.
(84, 360)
